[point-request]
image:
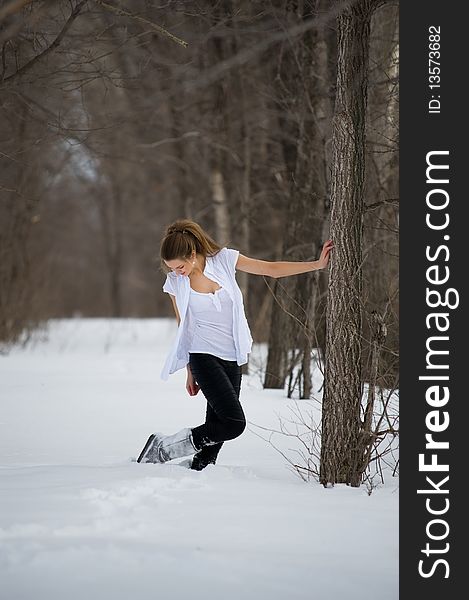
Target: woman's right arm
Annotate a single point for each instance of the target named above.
(173, 300)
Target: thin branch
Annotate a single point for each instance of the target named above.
(394, 201)
(124, 13)
(73, 15)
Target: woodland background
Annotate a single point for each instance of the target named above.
(117, 118)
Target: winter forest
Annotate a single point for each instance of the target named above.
(275, 126)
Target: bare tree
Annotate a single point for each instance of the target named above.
(342, 447)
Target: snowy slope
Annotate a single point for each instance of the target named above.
(79, 520)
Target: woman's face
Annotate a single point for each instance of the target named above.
(180, 266)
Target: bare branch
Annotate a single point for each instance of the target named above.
(394, 201)
(124, 13)
(73, 15)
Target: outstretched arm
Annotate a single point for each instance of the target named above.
(278, 269)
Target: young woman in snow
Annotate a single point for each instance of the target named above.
(213, 338)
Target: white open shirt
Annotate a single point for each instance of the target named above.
(221, 269)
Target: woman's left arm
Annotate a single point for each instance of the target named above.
(278, 269)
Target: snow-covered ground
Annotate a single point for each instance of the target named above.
(80, 521)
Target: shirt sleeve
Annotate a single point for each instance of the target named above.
(168, 285)
(231, 257)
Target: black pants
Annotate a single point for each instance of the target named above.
(220, 383)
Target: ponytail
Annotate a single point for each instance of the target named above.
(181, 238)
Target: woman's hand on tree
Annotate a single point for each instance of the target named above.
(325, 255)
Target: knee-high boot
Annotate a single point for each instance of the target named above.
(161, 448)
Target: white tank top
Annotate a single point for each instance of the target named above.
(212, 315)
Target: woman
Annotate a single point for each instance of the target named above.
(213, 338)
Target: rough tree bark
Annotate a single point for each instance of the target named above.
(342, 447)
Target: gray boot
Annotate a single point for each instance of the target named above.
(161, 448)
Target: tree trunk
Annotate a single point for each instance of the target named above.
(19, 201)
(110, 212)
(220, 205)
(341, 455)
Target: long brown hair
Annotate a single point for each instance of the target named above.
(181, 238)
